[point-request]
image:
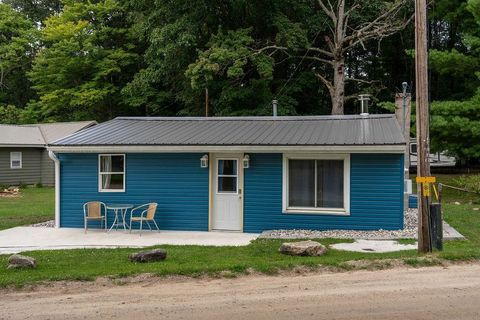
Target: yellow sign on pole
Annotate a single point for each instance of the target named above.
(426, 189)
(426, 179)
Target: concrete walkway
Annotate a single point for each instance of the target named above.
(37, 238)
(378, 246)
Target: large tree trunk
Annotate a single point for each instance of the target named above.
(338, 92)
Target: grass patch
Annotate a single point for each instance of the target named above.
(32, 206)
(260, 256)
(423, 262)
(406, 241)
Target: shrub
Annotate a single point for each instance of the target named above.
(471, 183)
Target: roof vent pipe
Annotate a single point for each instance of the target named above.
(274, 107)
(364, 98)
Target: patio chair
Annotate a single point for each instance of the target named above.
(94, 211)
(147, 215)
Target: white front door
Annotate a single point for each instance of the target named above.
(227, 184)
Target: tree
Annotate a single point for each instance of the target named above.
(17, 50)
(451, 25)
(88, 57)
(342, 27)
(36, 10)
(349, 32)
(455, 126)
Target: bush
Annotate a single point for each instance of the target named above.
(38, 185)
(471, 183)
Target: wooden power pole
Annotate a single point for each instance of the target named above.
(403, 104)
(423, 166)
(206, 102)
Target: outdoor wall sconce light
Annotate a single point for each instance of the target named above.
(204, 161)
(246, 161)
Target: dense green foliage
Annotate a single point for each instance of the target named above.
(96, 59)
(455, 123)
(85, 62)
(471, 183)
(17, 49)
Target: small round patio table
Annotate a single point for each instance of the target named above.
(120, 211)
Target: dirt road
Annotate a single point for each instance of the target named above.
(404, 293)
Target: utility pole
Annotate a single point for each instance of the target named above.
(423, 166)
(206, 102)
(402, 113)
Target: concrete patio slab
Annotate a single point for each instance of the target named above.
(450, 233)
(37, 238)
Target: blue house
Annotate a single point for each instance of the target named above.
(245, 174)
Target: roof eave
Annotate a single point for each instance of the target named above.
(379, 148)
(18, 145)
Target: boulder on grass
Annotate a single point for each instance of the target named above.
(303, 248)
(18, 261)
(149, 256)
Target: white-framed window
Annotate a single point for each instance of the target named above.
(227, 175)
(317, 184)
(111, 172)
(15, 160)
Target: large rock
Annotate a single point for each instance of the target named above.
(303, 248)
(18, 261)
(149, 256)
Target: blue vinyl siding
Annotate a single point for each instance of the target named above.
(413, 201)
(180, 187)
(376, 196)
(175, 181)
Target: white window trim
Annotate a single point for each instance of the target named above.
(100, 189)
(322, 211)
(226, 175)
(20, 159)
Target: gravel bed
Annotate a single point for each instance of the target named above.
(409, 232)
(45, 224)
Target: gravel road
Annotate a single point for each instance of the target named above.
(401, 293)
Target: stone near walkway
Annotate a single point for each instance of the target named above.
(303, 248)
(149, 256)
(17, 261)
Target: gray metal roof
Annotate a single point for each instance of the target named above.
(20, 135)
(239, 131)
(57, 130)
(39, 134)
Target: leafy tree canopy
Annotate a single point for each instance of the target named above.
(86, 60)
(17, 50)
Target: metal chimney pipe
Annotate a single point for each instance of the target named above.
(364, 98)
(274, 106)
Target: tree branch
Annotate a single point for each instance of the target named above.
(328, 12)
(385, 24)
(325, 52)
(362, 80)
(329, 62)
(327, 83)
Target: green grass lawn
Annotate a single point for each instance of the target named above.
(261, 255)
(34, 205)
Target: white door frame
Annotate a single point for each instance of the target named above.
(212, 189)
